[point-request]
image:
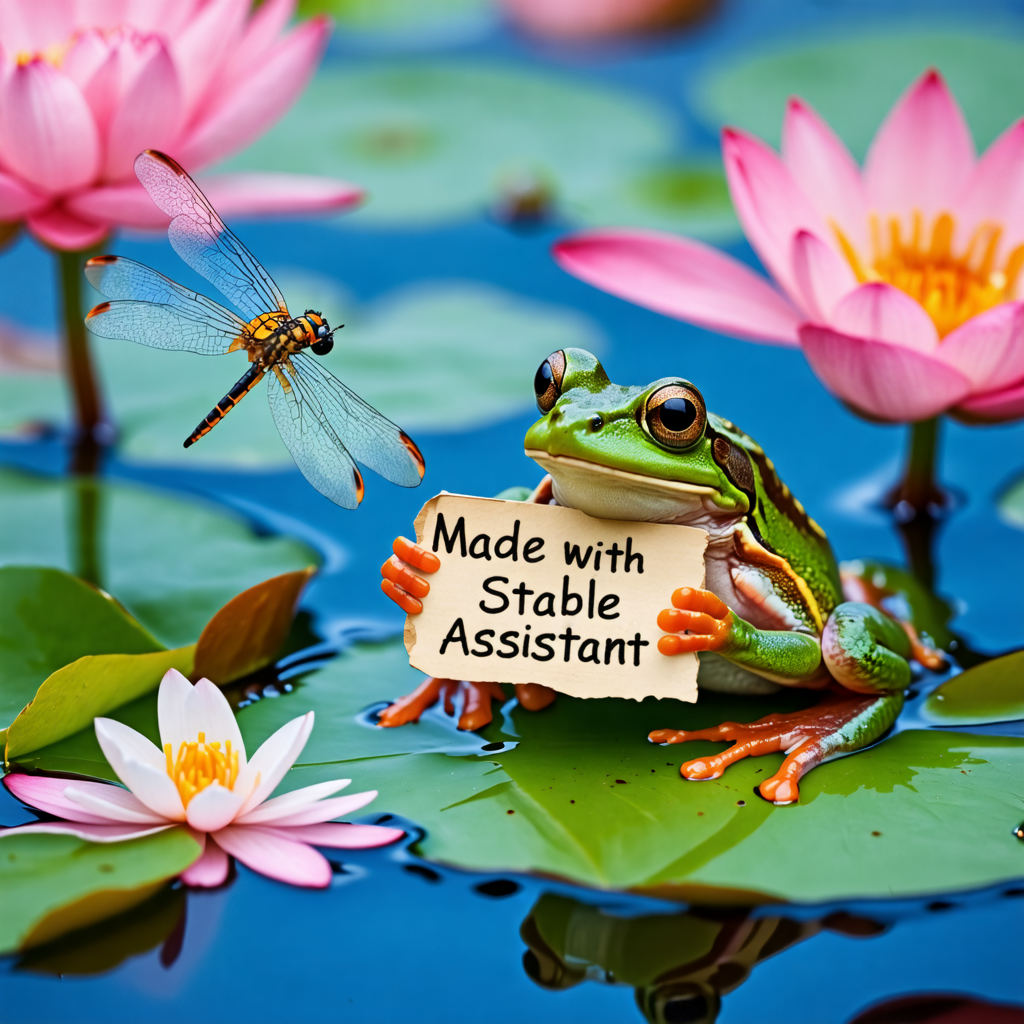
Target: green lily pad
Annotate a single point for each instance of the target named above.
(1011, 504)
(406, 353)
(990, 692)
(592, 801)
(172, 563)
(433, 141)
(49, 619)
(635, 824)
(95, 685)
(854, 81)
(51, 884)
(242, 637)
(433, 21)
(687, 198)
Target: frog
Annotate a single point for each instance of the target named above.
(775, 610)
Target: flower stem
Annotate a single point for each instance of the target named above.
(918, 488)
(918, 502)
(77, 358)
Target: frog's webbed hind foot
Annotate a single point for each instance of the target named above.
(837, 725)
(476, 701)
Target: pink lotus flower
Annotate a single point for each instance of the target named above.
(209, 786)
(899, 280)
(86, 86)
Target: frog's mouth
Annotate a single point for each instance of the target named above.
(607, 493)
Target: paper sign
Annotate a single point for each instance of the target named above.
(531, 593)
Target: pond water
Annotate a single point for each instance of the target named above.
(396, 938)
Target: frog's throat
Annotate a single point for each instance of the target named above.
(607, 493)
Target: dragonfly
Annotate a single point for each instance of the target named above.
(324, 424)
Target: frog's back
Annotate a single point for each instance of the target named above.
(781, 525)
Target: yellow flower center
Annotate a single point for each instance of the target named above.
(199, 765)
(951, 287)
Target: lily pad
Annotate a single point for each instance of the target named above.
(854, 81)
(434, 141)
(74, 695)
(594, 802)
(990, 692)
(407, 353)
(245, 635)
(172, 563)
(685, 197)
(405, 22)
(50, 884)
(1011, 504)
(49, 619)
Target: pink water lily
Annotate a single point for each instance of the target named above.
(86, 85)
(900, 280)
(208, 785)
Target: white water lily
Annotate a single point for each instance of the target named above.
(202, 779)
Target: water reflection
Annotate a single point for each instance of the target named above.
(680, 965)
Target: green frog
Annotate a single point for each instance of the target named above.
(774, 612)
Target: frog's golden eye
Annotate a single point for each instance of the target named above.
(547, 385)
(675, 416)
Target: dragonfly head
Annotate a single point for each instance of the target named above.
(321, 330)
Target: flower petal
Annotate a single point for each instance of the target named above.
(115, 804)
(885, 381)
(210, 870)
(45, 793)
(880, 311)
(141, 767)
(923, 153)
(239, 115)
(681, 278)
(994, 407)
(213, 808)
(120, 742)
(995, 190)
(17, 199)
(825, 172)
(149, 114)
(325, 810)
(202, 45)
(47, 132)
(989, 348)
(170, 709)
(769, 203)
(821, 276)
(61, 229)
(92, 833)
(275, 856)
(262, 193)
(128, 205)
(207, 710)
(289, 803)
(274, 757)
(341, 836)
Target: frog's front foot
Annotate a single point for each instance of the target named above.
(476, 701)
(699, 621)
(839, 724)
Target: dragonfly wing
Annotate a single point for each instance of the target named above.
(159, 313)
(315, 446)
(372, 438)
(159, 326)
(202, 240)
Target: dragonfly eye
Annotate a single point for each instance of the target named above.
(321, 330)
(321, 348)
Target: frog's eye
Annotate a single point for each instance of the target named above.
(547, 385)
(675, 416)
